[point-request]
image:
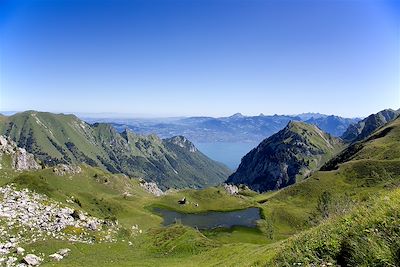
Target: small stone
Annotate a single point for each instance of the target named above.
(32, 259)
(64, 252)
(20, 251)
(56, 256)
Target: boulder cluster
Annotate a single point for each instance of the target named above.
(64, 169)
(27, 217)
(231, 189)
(151, 187)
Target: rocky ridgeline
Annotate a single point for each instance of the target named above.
(151, 187)
(21, 159)
(27, 217)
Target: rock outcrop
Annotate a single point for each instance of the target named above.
(231, 189)
(21, 159)
(151, 187)
(64, 169)
(182, 142)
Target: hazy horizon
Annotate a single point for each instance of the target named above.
(116, 115)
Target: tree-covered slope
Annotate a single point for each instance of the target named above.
(59, 138)
(285, 157)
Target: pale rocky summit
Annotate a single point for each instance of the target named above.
(183, 142)
(21, 159)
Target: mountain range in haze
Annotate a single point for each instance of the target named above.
(235, 128)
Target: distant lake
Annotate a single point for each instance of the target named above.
(228, 153)
(212, 219)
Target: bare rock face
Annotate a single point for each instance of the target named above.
(64, 169)
(231, 189)
(21, 159)
(182, 142)
(151, 187)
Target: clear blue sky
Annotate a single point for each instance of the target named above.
(199, 57)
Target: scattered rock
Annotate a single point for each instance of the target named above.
(56, 256)
(32, 259)
(64, 169)
(151, 187)
(231, 189)
(20, 251)
(64, 252)
(10, 261)
(126, 194)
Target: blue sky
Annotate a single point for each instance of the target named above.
(200, 57)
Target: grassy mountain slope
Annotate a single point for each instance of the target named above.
(286, 157)
(367, 126)
(347, 215)
(342, 199)
(380, 145)
(58, 138)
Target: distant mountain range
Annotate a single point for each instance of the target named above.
(58, 138)
(235, 128)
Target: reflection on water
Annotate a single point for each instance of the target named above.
(212, 219)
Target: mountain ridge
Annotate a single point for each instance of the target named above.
(235, 128)
(285, 157)
(365, 127)
(59, 138)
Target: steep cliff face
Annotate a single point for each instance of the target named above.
(286, 157)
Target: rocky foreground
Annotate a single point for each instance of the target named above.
(27, 217)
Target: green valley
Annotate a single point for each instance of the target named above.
(344, 214)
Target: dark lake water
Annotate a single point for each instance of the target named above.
(212, 219)
(225, 152)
